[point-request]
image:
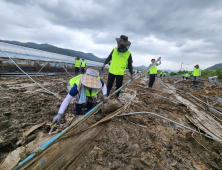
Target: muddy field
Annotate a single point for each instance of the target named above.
(140, 141)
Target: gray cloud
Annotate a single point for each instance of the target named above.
(189, 31)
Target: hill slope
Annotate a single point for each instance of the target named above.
(219, 65)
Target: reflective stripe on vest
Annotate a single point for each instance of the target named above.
(196, 72)
(153, 70)
(119, 63)
(76, 80)
(83, 63)
(77, 64)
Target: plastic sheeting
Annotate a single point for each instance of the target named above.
(20, 52)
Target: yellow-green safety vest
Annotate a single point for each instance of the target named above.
(153, 70)
(161, 72)
(76, 80)
(83, 63)
(196, 72)
(187, 75)
(77, 64)
(119, 63)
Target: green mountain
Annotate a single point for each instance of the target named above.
(54, 49)
(214, 67)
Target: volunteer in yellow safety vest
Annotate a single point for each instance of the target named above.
(187, 75)
(161, 73)
(82, 87)
(196, 74)
(121, 57)
(77, 65)
(164, 74)
(153, 72)
(83, 65)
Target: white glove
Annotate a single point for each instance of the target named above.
(105, 98)
(57, 118)
(94, 98)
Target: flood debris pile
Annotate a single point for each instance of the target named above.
(109, 141)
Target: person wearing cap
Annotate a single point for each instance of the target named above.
(84, 88)
(153, 72)
(77, 65)
(196, 74)
(83, 65)
(121, 57)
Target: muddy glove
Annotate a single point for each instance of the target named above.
(105, 98)
(131, 77)
(57, 118)
(103, 67)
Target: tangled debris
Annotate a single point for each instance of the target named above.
(122, 142)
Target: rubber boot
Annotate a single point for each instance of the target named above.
(117, 94)
(194, 83)
(108, 91)
(88, 106)
(78, 108)
(197, 83)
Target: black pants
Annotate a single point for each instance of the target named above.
(83, 70)
(77, 70)
(111, 78)
(186, 77)
(160, 75)
(152, 80)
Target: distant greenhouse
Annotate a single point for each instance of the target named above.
(20, 52)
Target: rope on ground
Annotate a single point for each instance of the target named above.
(169, 121)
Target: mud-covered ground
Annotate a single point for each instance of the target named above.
(140, 141)
(144, 141)
(24, 104)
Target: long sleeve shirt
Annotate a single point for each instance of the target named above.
(130, 61)
(73, 92)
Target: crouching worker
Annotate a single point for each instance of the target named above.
(83, 87)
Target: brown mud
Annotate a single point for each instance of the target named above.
(139, 141)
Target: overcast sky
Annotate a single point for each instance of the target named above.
(188, 31)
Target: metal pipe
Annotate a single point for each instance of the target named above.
(66, 70)
(44, 146)
(169, 121)
(41, 69)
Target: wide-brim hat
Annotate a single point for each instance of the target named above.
(123, 40)
(91, 79)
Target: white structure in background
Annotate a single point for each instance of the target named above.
(20, 52)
